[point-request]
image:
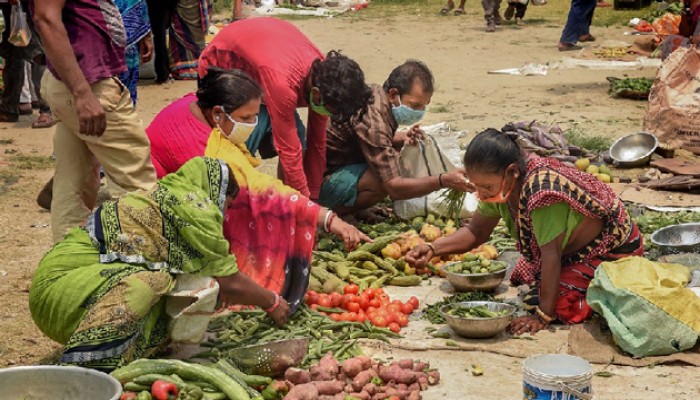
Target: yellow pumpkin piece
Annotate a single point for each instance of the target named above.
(449, 230)
(430, 232)
(392, 250)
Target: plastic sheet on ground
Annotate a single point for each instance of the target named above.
(327, 12)
(640, 63)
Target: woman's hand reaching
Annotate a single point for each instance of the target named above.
(351, 236)
(419, 256)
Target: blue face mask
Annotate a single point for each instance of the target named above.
(405, 115)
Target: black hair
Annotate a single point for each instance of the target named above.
(233, 188)
(492, 151)
(403, 77)
(342, 85)
(229, 88)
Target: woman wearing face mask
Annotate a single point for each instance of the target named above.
(271, 227)
(565, 222)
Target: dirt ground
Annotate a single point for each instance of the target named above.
(460, 54)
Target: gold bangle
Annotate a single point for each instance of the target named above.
(544, 317)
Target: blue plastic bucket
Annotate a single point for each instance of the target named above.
(557, 377)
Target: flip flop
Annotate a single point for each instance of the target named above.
(569, 47)
(44, 121)
(445, 10)
(459, 11)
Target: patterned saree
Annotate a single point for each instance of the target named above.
(100, 291)
(548, 182)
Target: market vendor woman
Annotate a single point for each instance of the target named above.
(101, 291)
(566, 223)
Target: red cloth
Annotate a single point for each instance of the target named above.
(270, 227)
(278, 56)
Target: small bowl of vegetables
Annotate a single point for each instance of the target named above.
(475, 273)
(478, 319)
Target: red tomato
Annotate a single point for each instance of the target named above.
(378, 291)
(314, 307)
(379, 321)
(394, 327)
(361, 317)
(335, 317)
(371, 315)
(352, 307)
(407, 308)
(345, 316)
(397, 302)
(313, 297)
(324, 300)
(370, 293)
(352, 316)
(414, 302)
(370, 309)
(350, 298)
(351, 289)
(384, 297)
(375, 303)
(403, 320)
(336, 299)
(391, 317)
(393, 308)
(364, 301)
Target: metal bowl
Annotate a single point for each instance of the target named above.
(479, 328)
(681, 238)
(473, 282)
(57, 382)
(634, 150)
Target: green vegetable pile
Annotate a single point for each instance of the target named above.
(475, 312)
(432, 312)
(249, 327)
(630, 86)
(474, 264)
(673, 8)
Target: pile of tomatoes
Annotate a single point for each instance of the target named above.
(371, 305)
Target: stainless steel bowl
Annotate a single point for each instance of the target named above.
(57, 382)
(473, 282)
(634, 150)
(681, 238)
(479, 328)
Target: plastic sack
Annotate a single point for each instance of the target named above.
(647, 306)
(426, 159)
(673, 113)
(20, 34)
(190, 306)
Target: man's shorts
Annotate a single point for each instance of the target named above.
(340, 188)
(260, 139)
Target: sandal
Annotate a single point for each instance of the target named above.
(569, 47)
(586, 38)
(44, 121)
(459, 11)
(447, 9)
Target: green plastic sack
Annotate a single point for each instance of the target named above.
(649, 310)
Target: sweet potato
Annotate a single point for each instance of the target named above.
(318, 374)
(397, 374)
(306, 391)
(420, 366)
(360, 395)
(366, 362)
(433, 377)
(415, 395)
(297, 376)
(423, 381)
(362, 379)
(414, 386)
(352, 366)
(406, 363)
(329, 364)
(329, 387)
(370, 388)
(349, 388)
(402, 386)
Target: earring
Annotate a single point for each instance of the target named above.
(216, 118)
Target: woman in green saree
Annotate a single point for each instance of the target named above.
(101, 291)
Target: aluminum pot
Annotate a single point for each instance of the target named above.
(634, 150)
(41, 382)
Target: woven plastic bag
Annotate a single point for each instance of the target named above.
(20, 34)
(647, 306)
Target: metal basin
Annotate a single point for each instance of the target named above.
(270, 359)
(473, 282)
(479, 328)
(56, 382)
(681, 238)
(634, 150)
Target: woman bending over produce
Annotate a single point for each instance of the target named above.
(271, 227)
(101, 291)
(565, 222)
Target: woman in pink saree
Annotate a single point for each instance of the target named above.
(271, 227)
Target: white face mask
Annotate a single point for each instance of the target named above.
(240, 132)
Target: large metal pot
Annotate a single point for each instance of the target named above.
(58, 383)
(634, 150)
(681, 238)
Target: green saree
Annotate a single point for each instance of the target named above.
(101, 290)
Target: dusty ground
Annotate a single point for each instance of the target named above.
(460, 54)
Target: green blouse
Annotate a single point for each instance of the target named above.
(547, 222)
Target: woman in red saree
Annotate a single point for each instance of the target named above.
(565, 222)
(271, 227)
